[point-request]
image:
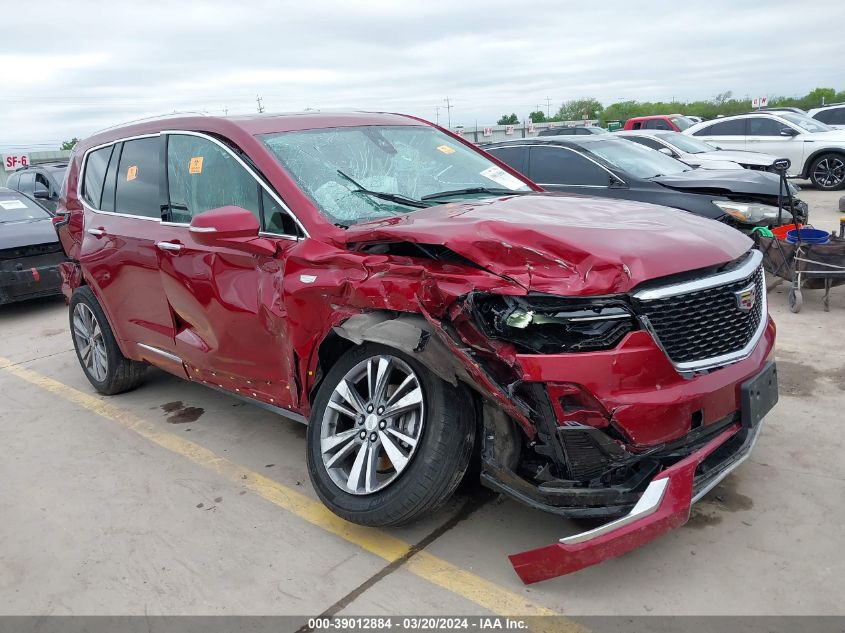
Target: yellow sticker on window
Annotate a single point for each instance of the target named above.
(446, 149)
(195, 166)
(131, 173)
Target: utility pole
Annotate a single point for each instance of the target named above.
(548, 108)
(437, 114)
(260, 107)
(449, 107)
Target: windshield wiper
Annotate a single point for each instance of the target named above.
(468, 190)
(384, 195)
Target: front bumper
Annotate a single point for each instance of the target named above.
(663, 506)
(29, 283)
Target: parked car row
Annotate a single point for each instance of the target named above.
(612, 167)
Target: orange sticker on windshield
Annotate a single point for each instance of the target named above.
(132, 173)
(446, 149)
(195, 166)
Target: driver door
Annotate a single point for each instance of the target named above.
(764, 135)
(231, 328)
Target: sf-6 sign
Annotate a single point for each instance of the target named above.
(11, 162)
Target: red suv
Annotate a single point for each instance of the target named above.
(674, 122)
(421, 305)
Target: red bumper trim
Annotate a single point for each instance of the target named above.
(673, 511)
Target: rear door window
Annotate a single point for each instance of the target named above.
(562, 166)
(138, 177)
(735, 127)
(656, 124)
(644, 140)
(95, 173)
(515, 157)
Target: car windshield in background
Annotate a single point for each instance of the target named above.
(355, 174)
(804, 122)
(635, 159)
(20, 209)
(681, 121)
(687, 144)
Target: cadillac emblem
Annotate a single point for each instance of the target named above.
(746, 298)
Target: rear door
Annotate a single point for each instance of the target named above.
(559, 168)
(122, 199)
(231, 327)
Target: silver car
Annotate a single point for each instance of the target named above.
(697, 153)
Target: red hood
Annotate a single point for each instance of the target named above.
(566, 245)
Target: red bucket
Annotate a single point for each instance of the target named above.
(781, 231)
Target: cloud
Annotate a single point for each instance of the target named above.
(95, 64)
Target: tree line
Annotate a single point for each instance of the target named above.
(724, 104)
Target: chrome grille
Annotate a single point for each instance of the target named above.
(707, 326)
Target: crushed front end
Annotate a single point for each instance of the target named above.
(638, 403)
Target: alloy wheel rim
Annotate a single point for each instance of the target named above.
(372, 425)
(830, 172)
(90, 344)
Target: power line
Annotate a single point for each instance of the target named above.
(449, 107)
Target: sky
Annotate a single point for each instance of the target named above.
(84, 65)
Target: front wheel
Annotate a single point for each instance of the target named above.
(388, 440)
(828, 172)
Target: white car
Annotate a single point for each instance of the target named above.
(816, 150)
(697, 153)
(833, 115)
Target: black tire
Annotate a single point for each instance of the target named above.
(827, 172)
(121, 374)
(434, 470)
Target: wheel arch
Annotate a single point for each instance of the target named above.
(819, 152)
(409, 333)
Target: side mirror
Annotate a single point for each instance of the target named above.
(788, 131)
(41, 194)
(667, 151)
(230, 227)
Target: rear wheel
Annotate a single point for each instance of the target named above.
(105, 366)
(828, 172)
(388, 440)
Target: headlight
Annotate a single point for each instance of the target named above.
(750, 213)
(548, 325)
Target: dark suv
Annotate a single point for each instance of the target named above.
(418, 303)
(42, 182)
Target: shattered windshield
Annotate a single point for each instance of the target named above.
(355, 174)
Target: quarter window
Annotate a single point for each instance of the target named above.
(561, 166)
(138, 179)
(95, 173)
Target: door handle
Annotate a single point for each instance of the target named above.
(97, 232)
(169, 246)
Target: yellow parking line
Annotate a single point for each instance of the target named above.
(459, 581)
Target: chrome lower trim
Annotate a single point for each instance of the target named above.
(647, 505)
(729, 466)
(160, 352)
(746, 269)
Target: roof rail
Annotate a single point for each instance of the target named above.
(155, 117)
